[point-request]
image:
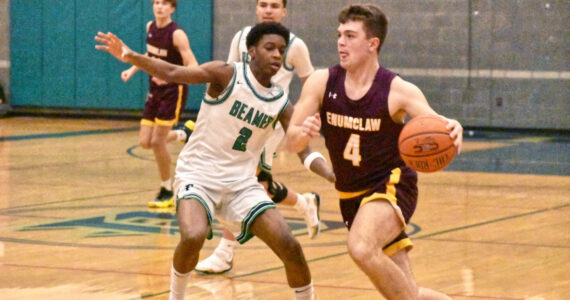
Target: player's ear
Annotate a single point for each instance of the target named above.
(251, 52)
(374, 43)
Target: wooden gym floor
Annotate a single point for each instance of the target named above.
(74, 222)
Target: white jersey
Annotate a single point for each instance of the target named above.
(296, 60)
(296, 57)
(232, 129)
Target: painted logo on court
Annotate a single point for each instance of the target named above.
(147, 223)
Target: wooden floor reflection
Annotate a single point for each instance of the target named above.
(74, 222)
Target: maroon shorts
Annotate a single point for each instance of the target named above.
(164, 104)
(399, 188)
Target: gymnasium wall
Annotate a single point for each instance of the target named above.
(54, 63)
(488, 63)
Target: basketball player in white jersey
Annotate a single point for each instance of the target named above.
(216, 170)
(296, 60)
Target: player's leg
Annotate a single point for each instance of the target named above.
(165, 198)
(221, 260)
(307, 204)
(402, 260)
(272, 229)
(194, 226)
(375, 225)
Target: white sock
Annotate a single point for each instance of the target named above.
(226, 247)
(181, 135)
(304, 292)
(178, 282)
(167, 184)
(301, 204)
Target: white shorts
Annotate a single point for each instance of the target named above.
(235, 204)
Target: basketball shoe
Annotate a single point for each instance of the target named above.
(164, 199)
(188, 129)
(311, 214)
(217, 263)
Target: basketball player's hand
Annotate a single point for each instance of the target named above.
(311, 126)
(112, 44)
(456, 133)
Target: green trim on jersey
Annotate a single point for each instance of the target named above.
(260, 207)
(290, 69)
(279, 95)
(262, 162)
(199, 199)
(280, 113)
(226, 93)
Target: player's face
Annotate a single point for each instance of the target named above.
(267, 55)
(352, 44)
(162, 9)
(270, 10)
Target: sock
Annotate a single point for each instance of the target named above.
(167, 184)
(304, 292)
(301, 204)
(178, 282)
(181, 135)
(226, 247)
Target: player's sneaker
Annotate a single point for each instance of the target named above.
(217, 263)
(188, 129)
(311, 215)
(164, 199)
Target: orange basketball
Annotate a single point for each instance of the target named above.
(425, 144)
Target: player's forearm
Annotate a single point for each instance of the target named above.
(158, 68)
(296, 140)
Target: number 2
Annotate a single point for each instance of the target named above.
(244, 135)
(352, 150)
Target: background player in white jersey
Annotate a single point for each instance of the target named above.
(215, 173)
(297, 60)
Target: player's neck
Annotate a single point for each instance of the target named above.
(359, 78)
(261, 78)
(163, 22)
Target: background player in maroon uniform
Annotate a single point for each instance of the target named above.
(165, 101)
(362, 107)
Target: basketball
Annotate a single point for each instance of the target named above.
(425, 144)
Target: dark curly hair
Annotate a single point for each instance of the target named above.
(261, 29)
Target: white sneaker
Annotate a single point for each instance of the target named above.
(312, 214)
(217, 263)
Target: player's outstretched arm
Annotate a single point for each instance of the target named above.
(216, 72)
(306, 122)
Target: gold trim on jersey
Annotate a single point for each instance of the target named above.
(348, 195)
(397, 246)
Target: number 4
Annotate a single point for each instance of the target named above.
(352, 150)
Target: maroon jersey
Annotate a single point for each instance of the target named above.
(361, 137)
(159, 44)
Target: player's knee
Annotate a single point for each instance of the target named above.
(360, 250)
(145, 144)
(290, 249)
(192, 237)
(278, 192)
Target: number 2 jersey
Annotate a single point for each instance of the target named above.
(232, 129)
(361, 137)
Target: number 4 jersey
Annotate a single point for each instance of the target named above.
(232, 129)
(360, 135)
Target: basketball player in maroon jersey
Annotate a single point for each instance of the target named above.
(362, 107)
(165, 101)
